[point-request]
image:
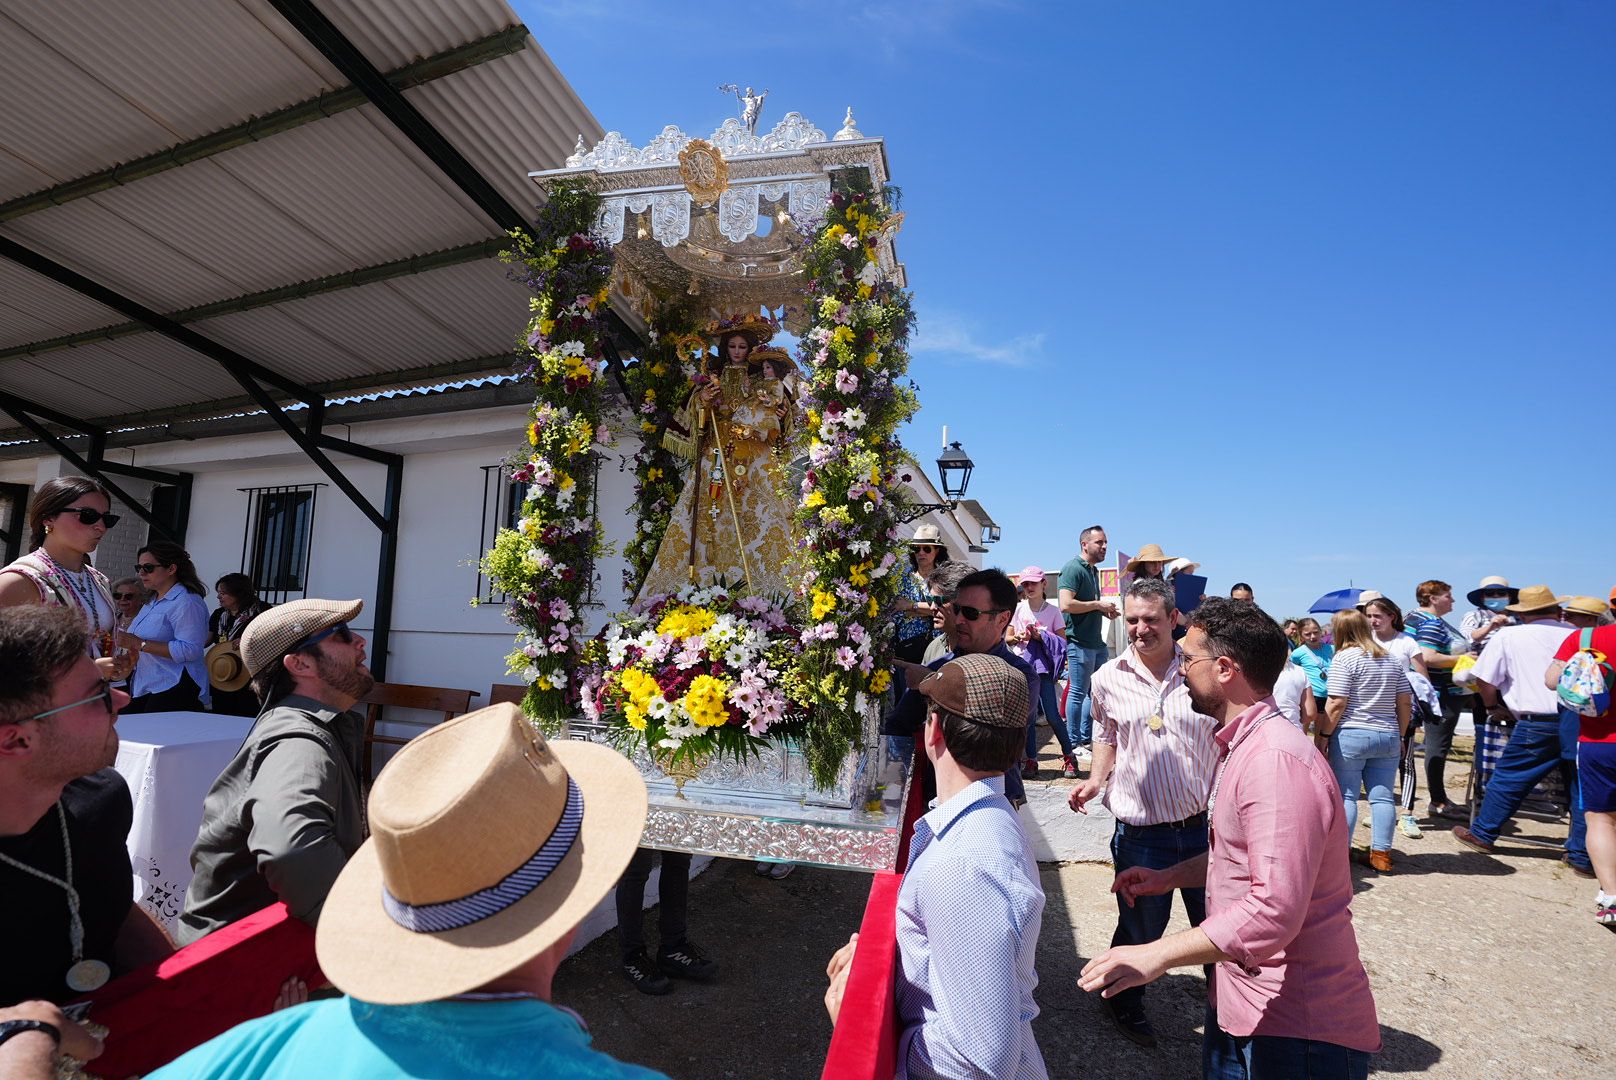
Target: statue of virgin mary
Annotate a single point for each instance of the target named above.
(730, 521)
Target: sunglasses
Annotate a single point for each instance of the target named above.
(925, 547)
(125, 596)
(340, 631)
(146, 568)
(104, 696)
(89, 515)
(971, 614)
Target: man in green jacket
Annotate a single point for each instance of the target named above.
(286, 814)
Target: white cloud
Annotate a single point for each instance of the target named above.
(949, 335)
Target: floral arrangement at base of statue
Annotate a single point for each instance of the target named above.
(545, 565)
(855, 400)
(694, 676)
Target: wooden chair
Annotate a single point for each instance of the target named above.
(504, 691)
(449, 702)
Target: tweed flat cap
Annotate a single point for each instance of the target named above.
(981, 688)
(271, 635)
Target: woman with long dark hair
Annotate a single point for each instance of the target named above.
(170, 634)
(67, 519)
(238, 605)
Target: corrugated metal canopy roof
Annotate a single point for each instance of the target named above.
(92, 84)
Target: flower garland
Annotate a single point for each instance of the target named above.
(655, 384)
(544, 565)
(856, 353)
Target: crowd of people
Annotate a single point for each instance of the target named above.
(1229, 750)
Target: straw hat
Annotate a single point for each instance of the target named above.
(271, 635)
(1535, 598)
(1148, 553)
(1587, 605)
(1366, 596)
(226, 669)
(487, 845)
(927, 534)
(1495, 582)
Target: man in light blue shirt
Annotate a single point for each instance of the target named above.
(970, 905)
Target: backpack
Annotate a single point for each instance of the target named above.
(1586, 681)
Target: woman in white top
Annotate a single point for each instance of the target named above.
(1293, 696)
(1035, 615)
(1386, 622)
(1367, 714)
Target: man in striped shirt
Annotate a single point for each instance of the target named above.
(1159, 755)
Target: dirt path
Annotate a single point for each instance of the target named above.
(1482, 967)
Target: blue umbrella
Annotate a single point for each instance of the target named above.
(1331, 602)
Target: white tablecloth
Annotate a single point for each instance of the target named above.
(170, 761)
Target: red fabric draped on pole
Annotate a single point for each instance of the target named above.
(864, 1045)
(158, 1013)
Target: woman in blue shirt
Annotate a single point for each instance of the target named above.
(170, 635)
(1314, 658)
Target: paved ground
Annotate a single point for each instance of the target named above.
(1482, 966)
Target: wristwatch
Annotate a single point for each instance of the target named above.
(8, 1028)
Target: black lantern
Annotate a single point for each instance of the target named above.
(990, 533)
(954, 467)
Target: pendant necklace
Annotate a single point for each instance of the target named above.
(1212, 800)
(82, 590)
(84, 975)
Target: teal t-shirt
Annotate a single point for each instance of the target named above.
(1316, 664)
(1088, 629)
(355, 1040)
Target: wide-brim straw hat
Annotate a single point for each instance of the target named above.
(1148, 553)
(226, 669)
(1536, 598)
(927, 534)
(493, 842)
(1588, 605)
(272, 634)
(1474, 595)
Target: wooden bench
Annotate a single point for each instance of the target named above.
(503, 691)
(448, 701)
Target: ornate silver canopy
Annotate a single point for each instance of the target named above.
(726, 217)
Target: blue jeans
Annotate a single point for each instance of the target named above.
(1081, 663)
(1156, 847)
(1050, 702)
(1367, 757)
(1271, 1057)
(1536, 746)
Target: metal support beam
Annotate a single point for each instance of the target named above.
(367, 275)
(311, 22)
(25, 413)
(504, 43)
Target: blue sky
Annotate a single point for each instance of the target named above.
(1307, 292)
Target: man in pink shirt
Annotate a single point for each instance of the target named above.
(1290, 996)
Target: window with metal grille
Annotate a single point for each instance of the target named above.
(502, 509)
(276, 546)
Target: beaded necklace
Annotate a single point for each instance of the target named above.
(82, 590)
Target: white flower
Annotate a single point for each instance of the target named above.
(861, 704)
(736, 656)
(558, 679)
(659, 708)
(572, 348)
(870, 275)
(860, 548)
(853, 418)
(869, 507)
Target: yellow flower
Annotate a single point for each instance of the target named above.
(634, 716)
(546, 326)
(533, 434)
(647, 427)
(843, 334)
(813, 422)
(830, 687)
(835, 232)
(857, 574)
(872, 358)
(823, 604)
(815, 498)
(704, 701)
(653, 473)
(686, 621)
(567, 482)
(875, 609)
(863, 291)
(828, 307)
(880, 679)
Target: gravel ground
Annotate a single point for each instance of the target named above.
(1482, 966)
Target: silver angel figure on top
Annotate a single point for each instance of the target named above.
(751, 105)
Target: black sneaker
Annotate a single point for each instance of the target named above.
(1131, 1021)
(684, 961)
(639, 970)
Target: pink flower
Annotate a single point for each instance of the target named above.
(845, 658)
(846, 381)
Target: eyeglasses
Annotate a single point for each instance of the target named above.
(125, 596)
(104, 696)
(89, 515)
(1186, 659)
(146, 568)
(340, 631)
(971, 614)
